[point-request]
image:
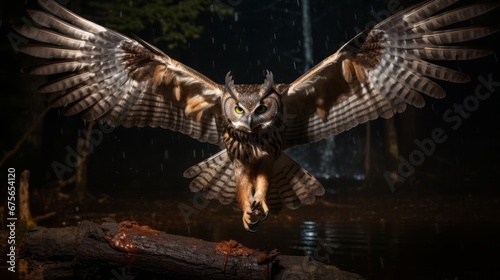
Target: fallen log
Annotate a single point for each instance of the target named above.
(129, 251)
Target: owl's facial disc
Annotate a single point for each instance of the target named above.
(250, 121)
(242, 118)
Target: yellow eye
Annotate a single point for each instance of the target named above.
(261, 109)
(238, 110)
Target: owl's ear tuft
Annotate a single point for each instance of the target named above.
(267, 86)
(230, 85)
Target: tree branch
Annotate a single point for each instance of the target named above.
(91, 250)
(10, 153)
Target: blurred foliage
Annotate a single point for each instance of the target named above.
(176, 20)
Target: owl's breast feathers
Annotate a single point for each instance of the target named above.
(249, 147)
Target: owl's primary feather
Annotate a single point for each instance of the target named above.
(119, 80)
(379, 75)
(124, 81)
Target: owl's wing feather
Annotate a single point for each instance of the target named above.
(214, 177)
(112, 78)
(381, 70)
(292, 185)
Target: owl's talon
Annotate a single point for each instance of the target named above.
(266, 214)
(257, 209)
(254, 223)
(250, 229)
(248, 223)
(255, 205)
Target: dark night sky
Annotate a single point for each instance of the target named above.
(263, 35)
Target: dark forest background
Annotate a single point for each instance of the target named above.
(248, 37)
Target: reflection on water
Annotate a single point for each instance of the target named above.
(463, 247)
(403, 251)
(379, 251)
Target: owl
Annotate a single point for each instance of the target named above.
(118, 80)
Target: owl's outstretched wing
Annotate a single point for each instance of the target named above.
(379, 76)
(118, 80)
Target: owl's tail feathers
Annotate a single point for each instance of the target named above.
(292, 185)
(214, 177)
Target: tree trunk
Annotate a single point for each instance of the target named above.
(391, 150)
(25, 219)
(307, 34)
(368, 149)
(83, 144)
(130, 251)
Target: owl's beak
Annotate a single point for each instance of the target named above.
(249, 123)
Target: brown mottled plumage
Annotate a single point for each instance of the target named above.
(124, 81)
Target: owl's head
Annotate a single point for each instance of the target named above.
(251, 107)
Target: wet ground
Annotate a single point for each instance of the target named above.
(403, 235)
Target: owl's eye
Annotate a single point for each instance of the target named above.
(238, 110)
(261, 109)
